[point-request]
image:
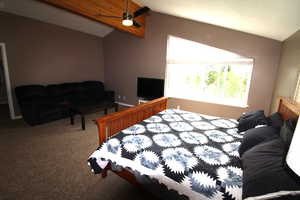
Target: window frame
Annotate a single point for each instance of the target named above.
(248, 87)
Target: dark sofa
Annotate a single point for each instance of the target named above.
(40, 104)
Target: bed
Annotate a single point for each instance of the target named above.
(211, 171)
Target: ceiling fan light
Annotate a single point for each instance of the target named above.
(127, 22)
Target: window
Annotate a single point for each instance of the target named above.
(200, 72)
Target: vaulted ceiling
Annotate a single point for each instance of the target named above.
(276, 19)
(46, 13)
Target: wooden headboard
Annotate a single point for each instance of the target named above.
(289, 109)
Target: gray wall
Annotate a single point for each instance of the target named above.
(127, 57)
(41, 53)
(288, 69)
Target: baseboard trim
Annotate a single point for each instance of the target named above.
(124, 104)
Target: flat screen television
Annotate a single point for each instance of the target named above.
(150, 88)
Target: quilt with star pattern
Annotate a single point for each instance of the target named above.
(193, 154)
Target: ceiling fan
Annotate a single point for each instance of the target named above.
(128, 18)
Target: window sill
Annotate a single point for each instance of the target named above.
(232, 104)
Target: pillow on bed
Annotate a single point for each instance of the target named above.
(275, 120)
(287, 132)
(251, 119)
(264, 173)
(255, 136)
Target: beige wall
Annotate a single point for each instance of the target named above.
(206, 108)
(288, 69)
(127, 57)
(41, 53)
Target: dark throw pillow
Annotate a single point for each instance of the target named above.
(275, 120)
(287, 132)
(251, 119)
(264, 172)
(255, 136)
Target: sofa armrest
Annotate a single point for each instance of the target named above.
(109, 95)
(30, 112)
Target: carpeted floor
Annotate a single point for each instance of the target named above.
(48, 162)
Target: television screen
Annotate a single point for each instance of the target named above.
(150, 88)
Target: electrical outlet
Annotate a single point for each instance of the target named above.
(178, 107)
(124, 98)
(119, 97)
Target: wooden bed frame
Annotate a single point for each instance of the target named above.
(116, 122)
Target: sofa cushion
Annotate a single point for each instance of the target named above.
(255, 136)
(264, 171)
(30, 91)
(94, 89)
(93, 84)
(70, 88)
(62, 92)
(63, 89)
(54, 90)
(81, 100)
(251, 119)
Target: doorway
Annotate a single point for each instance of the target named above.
(6, 101)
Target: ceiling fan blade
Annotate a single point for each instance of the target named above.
(100, 15)
(137, 25)
(141, 11)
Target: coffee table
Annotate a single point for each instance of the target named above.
(82, 110)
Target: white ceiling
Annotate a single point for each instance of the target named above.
(46, 13)
(276, 19)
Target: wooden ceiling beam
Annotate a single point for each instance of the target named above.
(91, 8)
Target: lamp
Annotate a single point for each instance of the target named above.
(292, 158)
(127, 19)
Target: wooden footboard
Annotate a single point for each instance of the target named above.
(116, 122)
(111, 124)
